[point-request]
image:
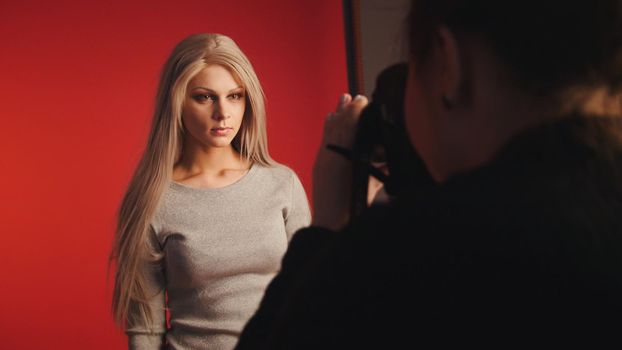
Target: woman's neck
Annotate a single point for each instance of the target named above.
(196, 159)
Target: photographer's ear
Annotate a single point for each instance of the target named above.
(450, 65)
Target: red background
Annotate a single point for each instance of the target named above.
(77, 82)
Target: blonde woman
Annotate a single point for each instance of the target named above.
(208, 214)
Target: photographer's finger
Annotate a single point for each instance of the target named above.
(359, 102)
(344, 100)
(354, 109)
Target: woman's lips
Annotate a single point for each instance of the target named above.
(221, 131)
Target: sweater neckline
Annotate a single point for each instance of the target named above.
(186, 188)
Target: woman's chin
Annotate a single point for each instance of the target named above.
(220, 142)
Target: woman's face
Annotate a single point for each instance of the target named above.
(214, 107)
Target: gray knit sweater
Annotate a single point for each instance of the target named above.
(221, 248)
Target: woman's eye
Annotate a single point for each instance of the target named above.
(237, 96)
(204, 98)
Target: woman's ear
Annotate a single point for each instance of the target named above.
(450, 65)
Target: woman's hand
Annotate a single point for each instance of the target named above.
(332, 173)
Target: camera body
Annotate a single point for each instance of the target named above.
(381, 137)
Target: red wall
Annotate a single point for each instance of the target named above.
(77, 81)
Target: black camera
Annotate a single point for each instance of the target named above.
(381, 138)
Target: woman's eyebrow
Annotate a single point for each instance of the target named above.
(213, 91)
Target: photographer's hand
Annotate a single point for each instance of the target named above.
(332, 173)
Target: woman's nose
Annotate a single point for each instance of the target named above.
(221, 112)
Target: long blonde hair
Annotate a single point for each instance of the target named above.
(154, 171)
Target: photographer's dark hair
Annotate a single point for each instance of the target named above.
(549, 45)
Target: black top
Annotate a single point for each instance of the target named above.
(525, 247)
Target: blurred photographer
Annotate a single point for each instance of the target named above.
(514, 108)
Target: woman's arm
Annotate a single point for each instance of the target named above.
(141, 335)
(298, 214)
